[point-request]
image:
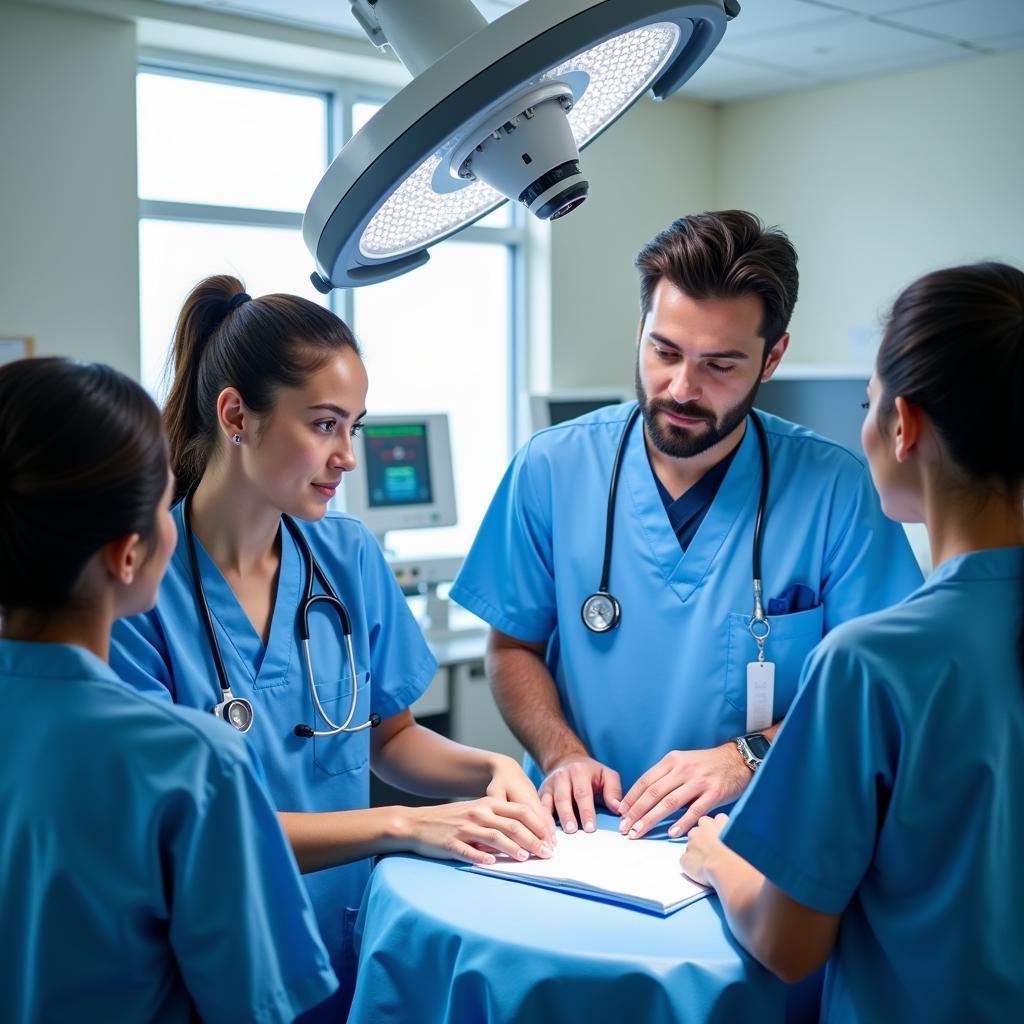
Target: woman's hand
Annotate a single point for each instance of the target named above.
(476, 830)
(509, 782)
(702, 843)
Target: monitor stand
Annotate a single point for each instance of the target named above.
(422, 576)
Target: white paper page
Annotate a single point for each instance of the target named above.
(644, 871)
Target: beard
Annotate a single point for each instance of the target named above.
(682, 442)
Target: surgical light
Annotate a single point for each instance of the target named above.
(494, 112)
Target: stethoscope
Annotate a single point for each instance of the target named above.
(602, 612)
(237, 711)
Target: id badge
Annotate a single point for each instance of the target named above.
(760, 694)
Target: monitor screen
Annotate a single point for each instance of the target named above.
(828, 405)
(403, 478)
(560, 410)
(397, 464)
(558, 406)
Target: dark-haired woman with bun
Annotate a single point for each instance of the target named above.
(266, 397)
(884, 831)
(143, 872)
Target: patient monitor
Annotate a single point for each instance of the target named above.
(552, 407)
(829, 400)
(404, 480)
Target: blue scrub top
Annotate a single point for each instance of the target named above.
(143, 872)
(166, 651)
(910, 821)
(672, 676)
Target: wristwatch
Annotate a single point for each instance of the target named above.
(753, 748)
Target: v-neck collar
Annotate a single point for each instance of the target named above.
(235, 632)
(737, 496)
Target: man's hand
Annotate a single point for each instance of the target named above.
(575, 780)
(699, 780)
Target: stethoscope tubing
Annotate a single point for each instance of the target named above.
(759, 624)
(613, 490)
(313, 571)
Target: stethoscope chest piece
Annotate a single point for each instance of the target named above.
(236, 711)
(601, 612)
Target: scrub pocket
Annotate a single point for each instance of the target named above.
(793, 637)
(345, 751)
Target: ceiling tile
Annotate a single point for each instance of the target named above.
(1014, 41)
(773, 46)
(333, 16)
(766, 17)
(872, 7)
(970, 20)
(724, 78)
(851, 46)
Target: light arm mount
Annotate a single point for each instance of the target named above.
(495, 111)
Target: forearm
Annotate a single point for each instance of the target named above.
(421, 761)
(528, 700)
(739, 886)
(324, 840)
(790, 939)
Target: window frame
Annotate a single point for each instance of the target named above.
(340, 96)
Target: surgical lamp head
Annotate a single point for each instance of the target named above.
(495, 112)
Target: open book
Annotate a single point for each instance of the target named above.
(640, 873)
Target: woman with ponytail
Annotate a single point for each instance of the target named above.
(119, 814)
(884, 830)
(267, 395)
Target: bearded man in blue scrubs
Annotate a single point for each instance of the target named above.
(673, 703)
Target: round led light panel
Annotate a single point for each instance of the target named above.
(390, 193)
(618, 71)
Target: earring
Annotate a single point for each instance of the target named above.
(236, 439)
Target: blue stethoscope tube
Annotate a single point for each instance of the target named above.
(237, 711)
(601, 611)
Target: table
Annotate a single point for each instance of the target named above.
(441, 944)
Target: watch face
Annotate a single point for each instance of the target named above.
(759, 745)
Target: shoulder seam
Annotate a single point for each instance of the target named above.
(574, 423)
(172, 712)
(815, 439)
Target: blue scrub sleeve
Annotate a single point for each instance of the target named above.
(138, 655)
(401, 663)
(869, 564)
(242, 926)
(508, 577)
(809, 821)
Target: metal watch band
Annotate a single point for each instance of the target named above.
(749, 758)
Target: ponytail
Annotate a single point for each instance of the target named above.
(224, 339)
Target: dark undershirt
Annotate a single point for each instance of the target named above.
(687, 512)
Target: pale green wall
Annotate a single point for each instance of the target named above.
(68, 212)
(879, 181)
(657, 162)
(875, 180)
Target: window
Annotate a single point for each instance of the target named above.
(225, 170)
